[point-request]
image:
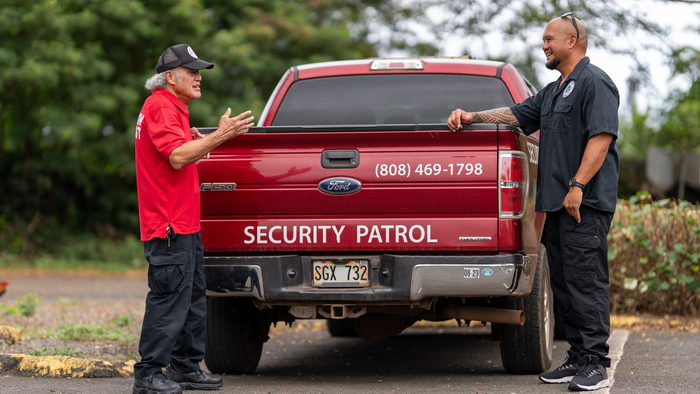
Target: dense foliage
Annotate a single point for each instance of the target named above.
(72, 82)
(654, 250)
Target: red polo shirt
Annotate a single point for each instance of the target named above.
(166, 196)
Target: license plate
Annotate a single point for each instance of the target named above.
(472, 273)
(340, 273)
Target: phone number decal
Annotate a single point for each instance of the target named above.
(407, 170)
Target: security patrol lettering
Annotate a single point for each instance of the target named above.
(385, 233)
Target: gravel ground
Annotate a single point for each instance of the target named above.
(87, 314)
(109, 329)
(109, 308)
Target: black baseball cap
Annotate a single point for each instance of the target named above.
(180, 55)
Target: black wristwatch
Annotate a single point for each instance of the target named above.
(572, 182)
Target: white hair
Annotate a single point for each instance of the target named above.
(157, 81)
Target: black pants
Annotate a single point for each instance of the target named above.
(578, 264)
(174, 324)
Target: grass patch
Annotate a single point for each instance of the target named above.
(8, 310)
(122, 321)
(66, 302)
(82, 332)
(61, 351)
(24, 306)
(66, 264)
(80, 251)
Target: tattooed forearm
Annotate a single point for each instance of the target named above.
(499, 115)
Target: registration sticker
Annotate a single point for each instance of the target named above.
(472, 273)
(340, 273)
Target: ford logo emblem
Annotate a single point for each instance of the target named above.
(339, 186)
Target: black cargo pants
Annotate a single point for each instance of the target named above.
(578, 265)
(174, 324)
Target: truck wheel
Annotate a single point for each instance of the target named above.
(236, 331)
(341, 327)
(528, 348)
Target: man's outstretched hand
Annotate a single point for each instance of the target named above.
(233, 127)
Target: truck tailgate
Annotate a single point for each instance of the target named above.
(424, 190)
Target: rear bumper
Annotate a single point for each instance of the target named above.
(393, 278)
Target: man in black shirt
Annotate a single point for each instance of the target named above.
(576, 187)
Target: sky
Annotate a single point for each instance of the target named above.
(679, 18)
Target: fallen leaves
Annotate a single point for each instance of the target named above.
(657, 323)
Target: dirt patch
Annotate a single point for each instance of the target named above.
(106, 330)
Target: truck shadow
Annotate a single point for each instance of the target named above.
(417, 351)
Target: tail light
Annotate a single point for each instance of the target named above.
(512, 184)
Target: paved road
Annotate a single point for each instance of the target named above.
(420, 360)
(417, 361)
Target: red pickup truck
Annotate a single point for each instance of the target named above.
(351, 201)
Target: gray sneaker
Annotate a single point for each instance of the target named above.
(591, 377)
(565, 372)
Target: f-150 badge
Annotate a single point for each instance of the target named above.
(339, 186)
(217, 187)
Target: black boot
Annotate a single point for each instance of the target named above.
(156, 384)
(196, 380)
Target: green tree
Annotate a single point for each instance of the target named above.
(680, 131)
(71, 78)
(675, 127)
(72, 82)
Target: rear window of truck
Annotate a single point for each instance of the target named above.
(388, 99)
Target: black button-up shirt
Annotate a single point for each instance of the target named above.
(567, 116)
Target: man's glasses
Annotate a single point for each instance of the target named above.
(573, 21)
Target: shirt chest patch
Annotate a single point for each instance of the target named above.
(569, 88)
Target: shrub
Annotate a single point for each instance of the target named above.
(654, 252)
(26, 304)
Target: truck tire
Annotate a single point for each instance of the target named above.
(236, 331)
(341, 328)
(527, 349)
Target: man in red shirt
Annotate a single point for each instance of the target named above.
(167, 148)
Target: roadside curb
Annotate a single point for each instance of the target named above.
(61, 366)
(618, 339)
